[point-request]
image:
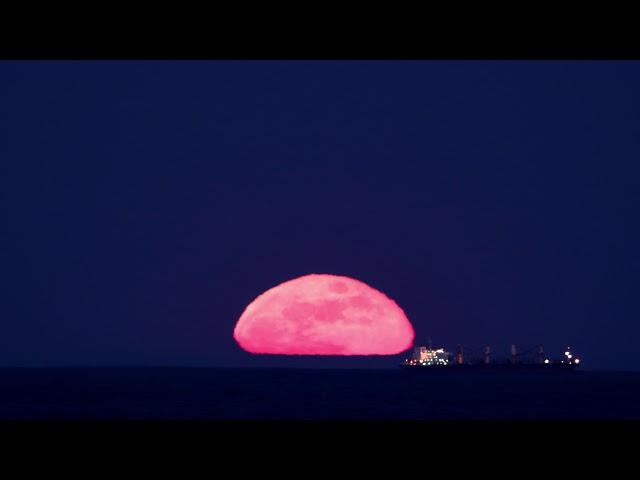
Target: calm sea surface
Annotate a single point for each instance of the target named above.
(223, 394)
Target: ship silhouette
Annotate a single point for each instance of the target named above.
(427, 358)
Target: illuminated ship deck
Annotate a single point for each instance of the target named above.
(430, 359)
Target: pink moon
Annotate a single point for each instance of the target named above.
(322, 314)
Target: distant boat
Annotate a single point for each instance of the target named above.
(426, 358)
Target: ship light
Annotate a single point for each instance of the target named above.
(567, 353)
(570, 356)
(577, 360)
(546, 360)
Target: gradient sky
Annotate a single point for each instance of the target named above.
(145, 204)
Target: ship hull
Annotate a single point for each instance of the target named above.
(492, 368)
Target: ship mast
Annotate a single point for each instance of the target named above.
(540, 354)
(487, 354)
(460, 355)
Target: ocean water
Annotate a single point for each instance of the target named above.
(298, 394)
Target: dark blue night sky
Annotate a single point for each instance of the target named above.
(144, 204)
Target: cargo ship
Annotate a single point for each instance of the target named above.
(426, 358)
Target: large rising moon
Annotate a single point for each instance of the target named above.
(322, 314)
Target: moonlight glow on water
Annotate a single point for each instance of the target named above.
(324, 315)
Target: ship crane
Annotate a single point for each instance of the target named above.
(535, 354)
(531, 359)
